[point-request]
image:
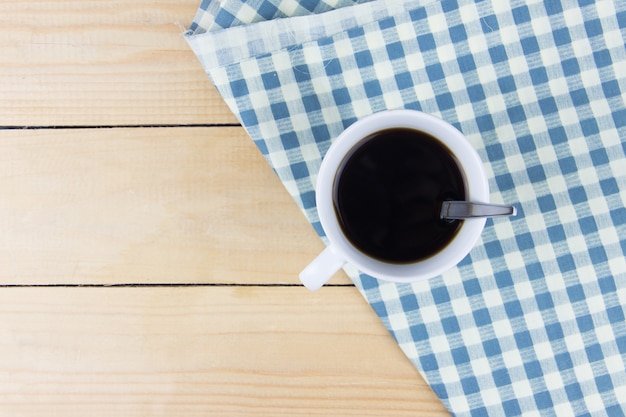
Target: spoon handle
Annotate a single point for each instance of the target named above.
(468, 210)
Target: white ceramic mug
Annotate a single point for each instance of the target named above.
(340, 250)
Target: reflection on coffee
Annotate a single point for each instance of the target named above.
(388, 191)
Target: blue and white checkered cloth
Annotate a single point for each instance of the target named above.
(532, 321)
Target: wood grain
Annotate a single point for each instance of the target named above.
(144, 252)
(192, 205)
(201, 351)
(102, 63)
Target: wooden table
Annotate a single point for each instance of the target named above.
(149, 257)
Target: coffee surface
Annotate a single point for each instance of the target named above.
(388, 193)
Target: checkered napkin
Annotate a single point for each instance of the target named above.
(532, 321)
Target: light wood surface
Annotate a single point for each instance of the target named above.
(115, 62)
(148, 254)
(236, 351)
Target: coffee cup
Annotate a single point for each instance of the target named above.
(379, 191)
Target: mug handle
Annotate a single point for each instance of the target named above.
(322, 268)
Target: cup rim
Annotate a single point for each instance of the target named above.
(471, 167)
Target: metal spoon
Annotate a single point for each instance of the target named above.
(451, 210)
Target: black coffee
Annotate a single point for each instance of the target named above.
(388, 193)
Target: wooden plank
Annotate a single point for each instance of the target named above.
(192, 205)
(201, 351)
(102, 63)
